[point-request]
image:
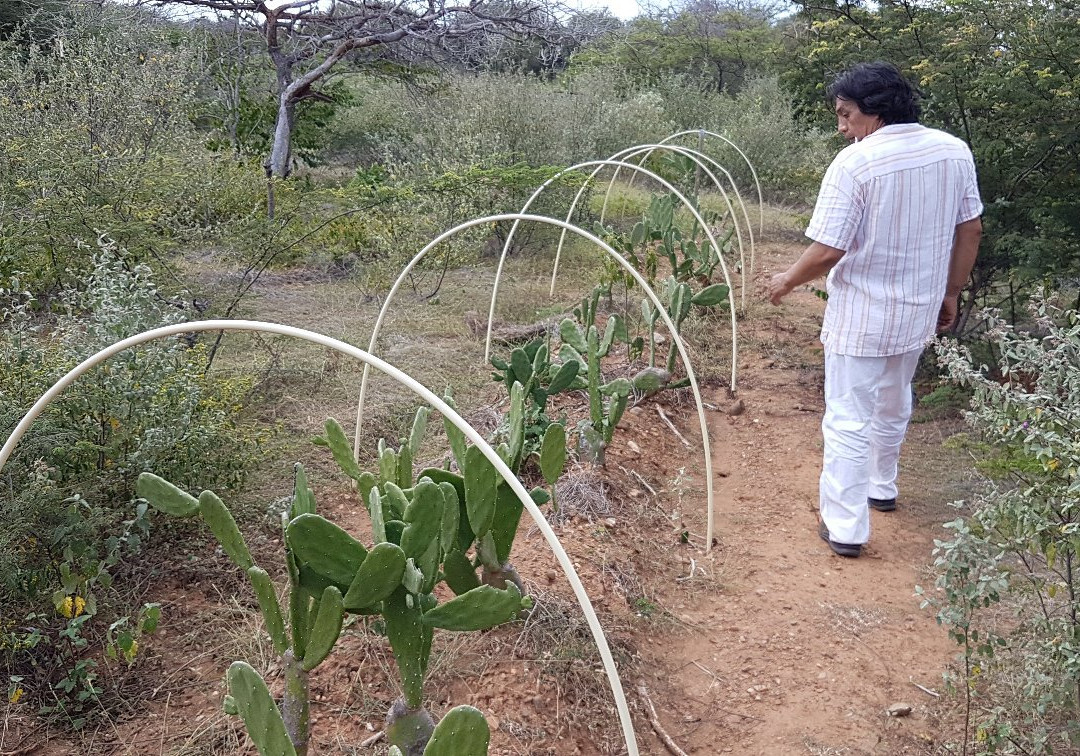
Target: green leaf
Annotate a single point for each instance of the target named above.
(479, 609)
(462, 732)
(165, 497)
(270, 608)
(258, 710)
(564, 377)
(572, 335)
(553, 453)
(406, 633)
(504, 524)
(459, 573)
(340, 448)
(419, 427)
(423, 519)
(303, 497)
(378, 577)
(326, 629)
(481, 480)
(711, 295)
(325, 549)
(223, 526)
(521, 365)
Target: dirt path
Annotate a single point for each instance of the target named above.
(802, 651)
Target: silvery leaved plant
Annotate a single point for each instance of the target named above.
(1016, 545)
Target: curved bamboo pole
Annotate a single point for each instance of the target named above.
(697, 157)
(628, 268)
(692, 154)
(753, 172)
(566, 225)
(418, 389)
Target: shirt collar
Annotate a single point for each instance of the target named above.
(894, 128)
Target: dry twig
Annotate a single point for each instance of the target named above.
(368, 742)
(655, 721)
(660, 411)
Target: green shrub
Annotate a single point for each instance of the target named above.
(463, 120)
(98, 134)
(1017, 545)
(150, 407)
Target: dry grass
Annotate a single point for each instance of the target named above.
(853, 619)
(301, 384)
(556, 639)
(580, 492)
(817, 749)
(216, 734)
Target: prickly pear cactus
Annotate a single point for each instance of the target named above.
(408, 730)
(462, 732)
(260, 714)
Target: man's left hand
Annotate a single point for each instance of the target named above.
(778, 287)
(947, 314)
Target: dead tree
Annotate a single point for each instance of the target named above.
(306, 39)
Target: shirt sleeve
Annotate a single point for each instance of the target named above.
(839, 209)
(971, 205)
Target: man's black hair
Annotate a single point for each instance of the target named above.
(878, 89)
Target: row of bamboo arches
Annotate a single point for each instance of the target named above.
(620, 161)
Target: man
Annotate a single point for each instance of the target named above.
(897, 228)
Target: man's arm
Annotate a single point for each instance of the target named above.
(962, 260)
(816, 261)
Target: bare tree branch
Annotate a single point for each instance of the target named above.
(306, 39)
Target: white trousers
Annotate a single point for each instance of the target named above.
(867, 407)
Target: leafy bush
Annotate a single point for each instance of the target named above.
(464, 120)
(151, 407)
(1017, 546)
(98, 134)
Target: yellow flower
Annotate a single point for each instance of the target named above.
(72, 606)
(15, 695)
(1053, 464)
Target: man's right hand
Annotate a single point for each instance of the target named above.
(947, 314)
(778, 287)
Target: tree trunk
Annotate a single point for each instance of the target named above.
(278, 164)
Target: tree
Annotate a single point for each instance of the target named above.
(38, 15)
(719, 42)
(307, 39)
(1002, 75)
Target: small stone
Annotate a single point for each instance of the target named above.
(634, 447)
(610, 522)
(551, 576)
(899, 710)
(736, 408)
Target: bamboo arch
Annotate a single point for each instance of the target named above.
(600, 164)
(695, 156)
(418, 389)
(625, 265)
(702, 133)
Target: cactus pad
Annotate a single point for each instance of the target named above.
(165, 497)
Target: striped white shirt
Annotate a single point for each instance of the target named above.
(891, 202)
